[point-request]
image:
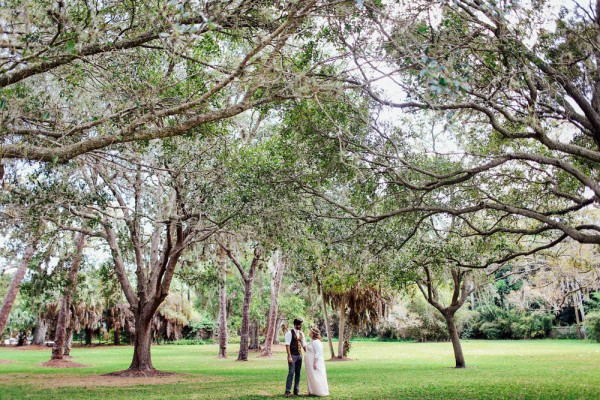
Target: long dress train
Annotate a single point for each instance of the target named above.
(316, 378)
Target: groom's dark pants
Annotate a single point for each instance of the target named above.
(294, 369)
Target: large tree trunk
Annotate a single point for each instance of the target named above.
(61, 328)
(458, 353)
(39, 333)
(243, 354)
(142, 360)
(327, 326)
(341, 328)
(279, 266)
(223, 314)
(65, 308)
(13, 289)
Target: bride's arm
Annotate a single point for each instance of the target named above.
(318, 352)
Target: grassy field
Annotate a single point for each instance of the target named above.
(496, 370)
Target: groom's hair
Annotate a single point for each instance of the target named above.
(298, 321)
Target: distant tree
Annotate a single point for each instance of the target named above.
(247, 275)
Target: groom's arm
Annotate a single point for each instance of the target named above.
(288, 337)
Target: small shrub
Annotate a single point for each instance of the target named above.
(593, 325)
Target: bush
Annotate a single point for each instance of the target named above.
(593, 325)
(499, 323)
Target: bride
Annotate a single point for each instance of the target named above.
(316, 377)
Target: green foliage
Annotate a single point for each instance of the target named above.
(593, 323)
(593, 317)
(495, 322)
(549, 369)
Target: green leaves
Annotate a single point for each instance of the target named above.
(70, 47)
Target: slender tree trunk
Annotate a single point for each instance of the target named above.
(279, 266)
(582, 311)
(341, 328)
(39, 333)
(254, 328)
(248, 279)
(223, 315)
(277, 330)
(68, 341)
(577, 320)
(116, 336)
(458, 353)
(327, 326)
(243, 354)
(65, 308)
(13, 289)
(89, 332)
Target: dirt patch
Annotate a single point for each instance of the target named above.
(62, 380)
(340, 359)
(6, 361)
(29, 347)
(153, 373)
(62, 364)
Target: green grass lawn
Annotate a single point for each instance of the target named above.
(496, 370)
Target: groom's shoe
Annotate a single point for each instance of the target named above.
(288, 394)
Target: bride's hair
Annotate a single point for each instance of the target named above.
(315, 331)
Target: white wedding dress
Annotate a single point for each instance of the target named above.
(316, 378)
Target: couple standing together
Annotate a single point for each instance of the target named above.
(316, 377)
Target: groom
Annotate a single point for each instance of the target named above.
(295, 342)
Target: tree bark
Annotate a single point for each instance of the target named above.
(65, 308)
(248, 280)
(460, 293)
(39, 333)
(342, 328)
(142, 360)
(116, 336)
(458, 353)
(577, 320)
(69, 340)
(279, 267)
(89, 332)
(327, 326)
(243, 354)
(254, 328)
(13, 289)
(223, 309)
(61, 328)
(277, 330)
